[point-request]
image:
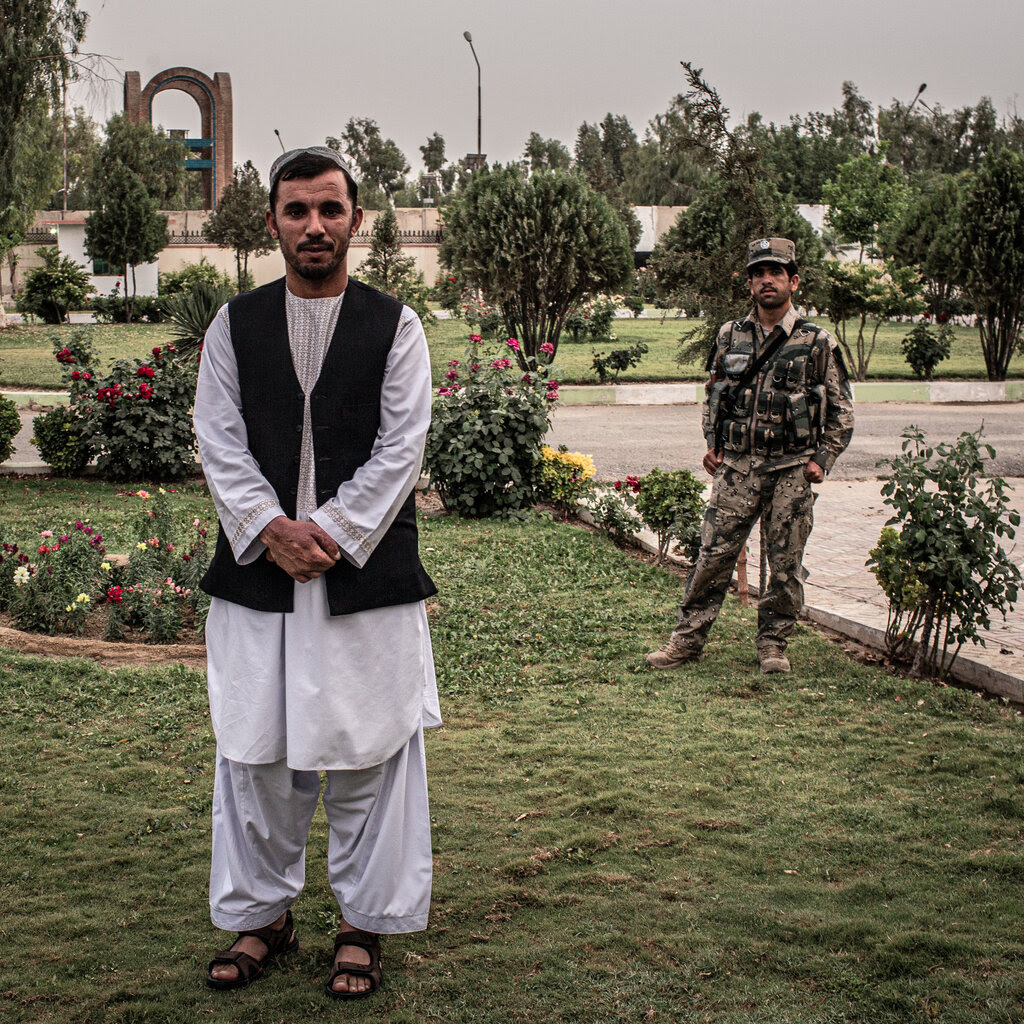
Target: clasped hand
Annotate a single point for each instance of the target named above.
(302, 549)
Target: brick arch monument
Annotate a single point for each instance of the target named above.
(212, 154)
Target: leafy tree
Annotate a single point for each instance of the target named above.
(156, 160)
(990, 256)
(863, 293)
(699, 261)
(546, 154)
(590, 162)
(936, 141)
(126, 228)
(618, 143)
(83, 145)
(535, 247)
(926, 237)
(382, 166)
(866, 196)
(238, 222)
(390, 270)
(807, 152)
(386, 267)
(433, 153)
(38, 48)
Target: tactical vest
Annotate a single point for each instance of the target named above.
(789, 407)
(345, 411)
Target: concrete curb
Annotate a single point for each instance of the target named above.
(966, 671)
(935, 391)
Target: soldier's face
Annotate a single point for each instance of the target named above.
(771, 287)
(314, 220)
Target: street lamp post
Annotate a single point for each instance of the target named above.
(478, 160)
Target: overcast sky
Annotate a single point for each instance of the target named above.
(306, 66)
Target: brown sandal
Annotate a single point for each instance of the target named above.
(364, 940)
(277, 940)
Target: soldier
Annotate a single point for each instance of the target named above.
(778, 412)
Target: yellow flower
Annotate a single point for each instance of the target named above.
(67, 607)
(82, 599)
(142, 494)
(105, 566)
(140, 546)
(162, 491)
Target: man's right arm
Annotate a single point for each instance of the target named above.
(246, 503)
(713, 459)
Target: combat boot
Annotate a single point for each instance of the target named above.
(673, 654)
(772, 659)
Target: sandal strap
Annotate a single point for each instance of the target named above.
(275, 939)
(247, 966)
(363, 940)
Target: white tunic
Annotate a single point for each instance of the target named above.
(321, 692)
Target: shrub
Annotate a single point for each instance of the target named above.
(139, 418)
(449, 294)
(10, 424)
(62, 440)
(188, 275)
(614, 511)
(672, 506)
(54, 594)
(58, 285)
(191, 312)
(943, 571)
(925, 348)
(484, 318)
(616, 360)
(483, 446)
(592, 319)
(110, 309)
(634, 303)
(160, 584)
(564, 477)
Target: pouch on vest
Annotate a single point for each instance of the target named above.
(767, 439)
(715, 400)
(734, 436)
(799, 421)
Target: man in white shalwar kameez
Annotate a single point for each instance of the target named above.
(319, 656)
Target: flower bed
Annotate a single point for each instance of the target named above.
(69, 585)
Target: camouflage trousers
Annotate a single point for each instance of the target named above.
(785, 502)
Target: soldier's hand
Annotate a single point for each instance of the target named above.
(712, 461)
(814, 472)
(303, 550)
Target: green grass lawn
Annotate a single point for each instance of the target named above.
(26, 353)
(611, 844)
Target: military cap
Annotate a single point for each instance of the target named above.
(324, 152)
(771, 250)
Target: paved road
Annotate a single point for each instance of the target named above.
(634, 438)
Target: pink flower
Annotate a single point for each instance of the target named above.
(452, 375)
(513, 344)
(444, 391)
(547, 348)
(475, 338)
(45, 534)
(618, 485)
(453, 363)
(552, 396)
(553, 385)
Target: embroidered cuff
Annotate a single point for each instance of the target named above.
(355, 537)
(257, 517)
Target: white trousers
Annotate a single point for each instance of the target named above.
(379, 851)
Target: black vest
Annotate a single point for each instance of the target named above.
(345, 408)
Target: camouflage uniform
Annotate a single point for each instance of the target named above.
(799, 408)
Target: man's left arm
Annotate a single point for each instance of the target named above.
(837, 415)
(359, 515)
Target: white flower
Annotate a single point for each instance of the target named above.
(21, 575)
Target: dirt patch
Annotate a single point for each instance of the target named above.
(104, 652)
